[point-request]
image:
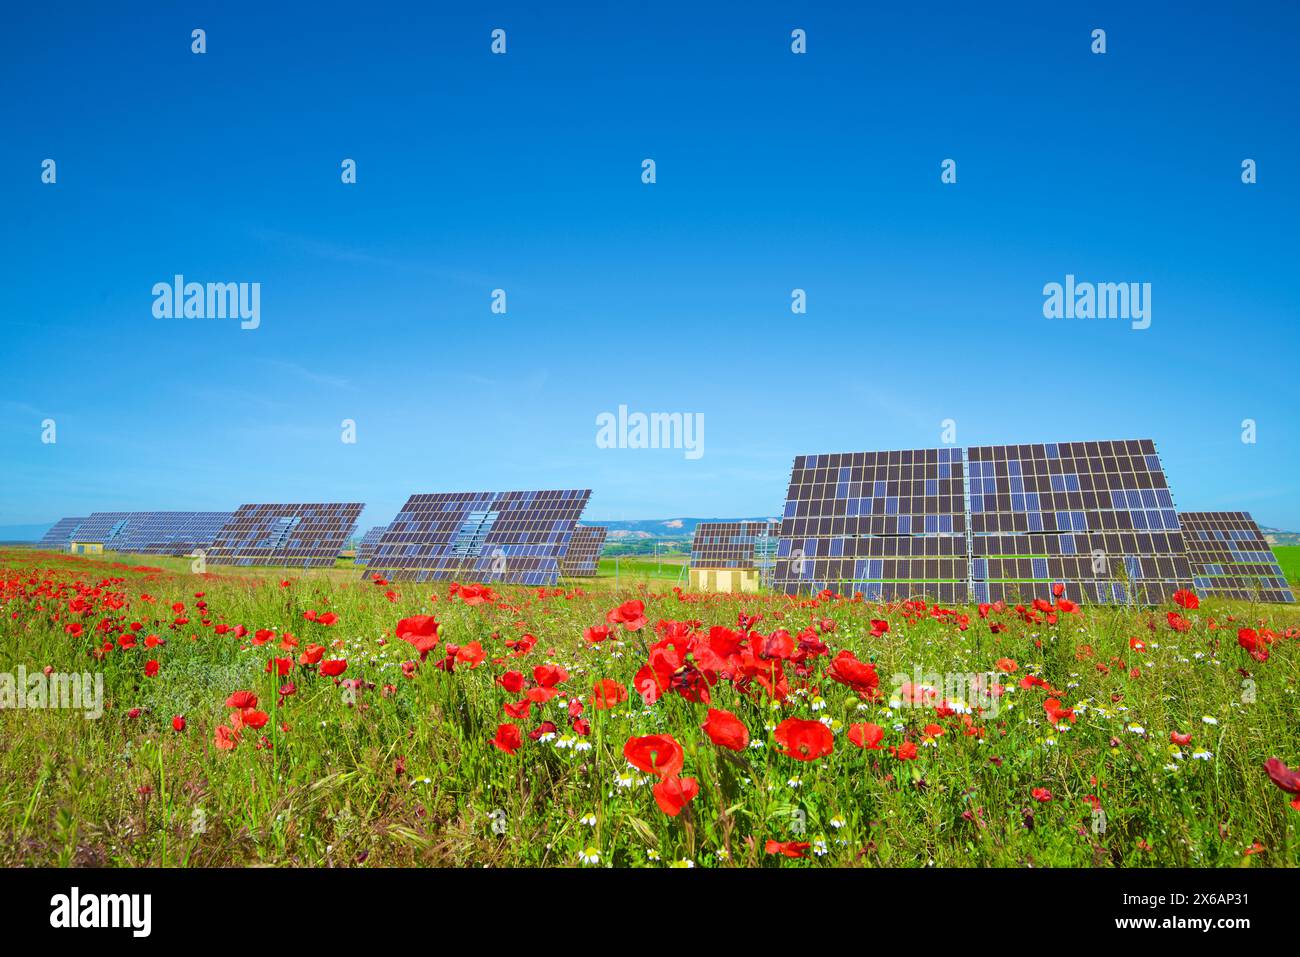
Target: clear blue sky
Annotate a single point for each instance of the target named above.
(522, 171)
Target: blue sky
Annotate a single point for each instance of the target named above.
(522, 172)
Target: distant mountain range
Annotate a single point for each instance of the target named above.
(1275, 536)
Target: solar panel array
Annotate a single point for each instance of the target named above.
(733, 544)
(170, 533)
(583, 556)
(1230, 558)
(101, 527)
(310, 535)
(887, 524)
(366, 547)
(985, 523)
(517, 537)
(60, 533)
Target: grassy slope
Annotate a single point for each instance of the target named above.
(1288, 557)
(407, 776)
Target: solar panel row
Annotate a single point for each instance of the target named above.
(305, 535)
(366, 547)
(733, 544)
(985, 523)
(1230, 558)
(583, 555)
(517, 537)
(60, 533)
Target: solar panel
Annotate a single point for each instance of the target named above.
(734, 544)
(1095, 516)
(366, 547)
(1230, 558)
(308, 535)
(890, 525)
(101, 527)
(517, 537)
(583, 556)
(170, 533)
(986, 523)
(60, 533)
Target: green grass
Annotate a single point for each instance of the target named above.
(1288, 556)
(399, 769)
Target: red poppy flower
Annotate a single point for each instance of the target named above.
(548, 676)
(281, 666)
(1285, 778)
(607, 694)
(656, 754)
(1007, 666)
(151, 669)
(787, 848)
(508, 738)
(726, 730)
(471, 653)
(311, 655)
(866, 735)
(1187, 599)
(674, 793)
(1041, 795)
(848, 670)
(512, 681)
(1182, 740)
(421, 631)
(630, 614)
(252, 718)
(804, 740)
(178, 723)
(905, 751)
(334, 667)
(597, 633)
(225, 738)
(242, 700)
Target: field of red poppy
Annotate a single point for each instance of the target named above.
(314, 721)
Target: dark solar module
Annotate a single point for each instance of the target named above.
(366, 547)
(583, 556)
(60, 533)
(517, 537)
(1230, 558)
(985, 523)
(308, 535)
(734, 544)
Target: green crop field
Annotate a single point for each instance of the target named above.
(273, 717)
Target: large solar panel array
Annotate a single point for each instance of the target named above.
(733, 544)
(310, 535)
(60, 533)
(583, 556)
(515, 537)
(366, 547)
(887, 524)
(170, 533)
(985, 523)
(1230, 558)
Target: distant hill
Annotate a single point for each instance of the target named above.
(1275, 536)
